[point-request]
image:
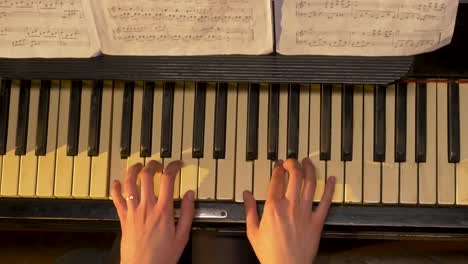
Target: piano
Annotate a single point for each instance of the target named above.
(393, 130)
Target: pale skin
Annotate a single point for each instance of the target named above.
(288, 232)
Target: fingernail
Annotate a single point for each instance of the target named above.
(245, 194)
(278, 163)
(191, 195)
(332, 179)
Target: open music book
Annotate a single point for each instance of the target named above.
(87, 28)
(363, 27)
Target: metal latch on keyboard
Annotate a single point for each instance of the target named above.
(206, 213)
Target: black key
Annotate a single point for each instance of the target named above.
(166, 124)
(273, 121)
(5, 87)
(127, 117)
(453, 112)
(325, 121)
(421, 122)
(74, 118)
(23, 118)
(380, 93)
(147, 120)
(252, 121)
(199, 121)
(43, 118)
(400, 122)
(293, 121)
(219, 148)
(347, 117)
(95, 119)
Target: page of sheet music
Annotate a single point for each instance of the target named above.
(364, 27)
(184, 27)
(47, 28)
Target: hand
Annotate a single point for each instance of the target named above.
(289, 232)
(149, 234)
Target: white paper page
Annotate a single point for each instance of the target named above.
(184, 27)
(364, 27)
(47, 28)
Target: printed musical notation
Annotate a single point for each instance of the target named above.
(184, 27)
(367, 39)
(174, 14)
(47, 28)
(38, 36)
(372, 10)
(179, 23)
(366, 27)
(65, 9)
(206, 35)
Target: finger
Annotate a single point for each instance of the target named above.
(251, 215)
(295, 179)
(119, 201)
(166, 191)
(276, 187)
(308, 188)
(325, 202)
(147, 181)
(130, 185)
(187, 211)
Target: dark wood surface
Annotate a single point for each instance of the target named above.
(401, 221)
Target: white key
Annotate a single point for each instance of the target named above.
(314, 140)
(82, 162)
(244, 168)
(156, 135)
(177, 133)
(353, 186)
(304, 98)
(207, 165)
(371, 170)
(118, 166)
(283, 122)
(462, 167)
(283, 127)
(46, 164)
(262, 166)
(189, 173)
(428, 169)
(445, 170)
(100, 164)
(11, 162)
(136, 126)
(63, 163)
(28, 162)
(390, 180)
(225, 184)
(335, 167)
(409, 169)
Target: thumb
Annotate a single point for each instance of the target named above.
(251, 215)
(187, 210)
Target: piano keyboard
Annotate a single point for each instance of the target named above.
(404, 143)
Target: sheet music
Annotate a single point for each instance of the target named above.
(364, 27)
(184, 27)
(47, 28)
